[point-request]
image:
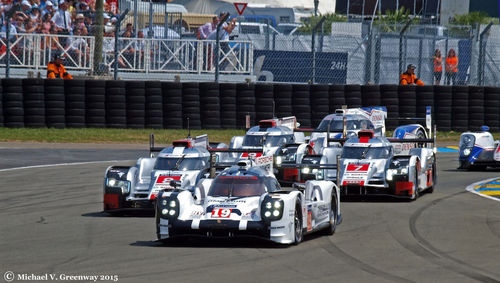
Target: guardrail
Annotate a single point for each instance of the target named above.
(179, 56)
(36, 50)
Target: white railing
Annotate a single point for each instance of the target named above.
(36, 51)
(178, 56)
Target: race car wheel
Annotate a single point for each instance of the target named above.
(434, 179)
(330, 230)
(415, 193)
(297, 221)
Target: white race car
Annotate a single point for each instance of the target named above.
(479, 150)
(136, 187)
(247, 200)
(373, 165)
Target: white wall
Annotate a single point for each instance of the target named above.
(450, 8)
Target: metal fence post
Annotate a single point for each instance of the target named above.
(117, 31)
(136, 28)
(150, 31)
(313, 49)
(482, 53)
(217, 46)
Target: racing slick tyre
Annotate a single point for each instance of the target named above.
(430, 190)
(330, 230)
(297, 225)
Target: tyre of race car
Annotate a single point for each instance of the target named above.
(330, 230)
(297, 225)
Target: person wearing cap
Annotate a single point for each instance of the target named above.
(49, 9)
(56, 70)
(409, 77)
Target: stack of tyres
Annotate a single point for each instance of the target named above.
(283, 100)
(476, 107)
(301, 104)
(337, 97)
(154, 105)
(370, 95)
(191, 105)
(425, 97)
(95, 103)
(320, 103)
(210, 105)
(55, 106)
(264, 98)
(390, 99)
(13, 107)
(228, 105)
(172, 105)
(460, 108)
(491, 108)
(442, 105)
(75, 103)
(116, 111)
(1, 106)
(34, 103)
(136, 104)
(407, 96)
(245, 102)
(352, 95)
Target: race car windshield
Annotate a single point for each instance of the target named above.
(180, 163)
(251, 140)
(338, 125)
(237, 187)
(288, 153)
(272, 141)
(366, 152)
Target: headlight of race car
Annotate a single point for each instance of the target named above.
(399, 171)
(114, 183)
(306, 170)
(466, 151)
(278, 160)
(169, 208)
(271, 209)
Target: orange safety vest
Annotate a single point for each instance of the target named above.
(438, 64)
(452, 64)
(57, 72)
(407, 79)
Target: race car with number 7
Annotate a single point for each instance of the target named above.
(247, 200)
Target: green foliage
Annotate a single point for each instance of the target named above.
(393, 21)
(312, 21)
(471, 19)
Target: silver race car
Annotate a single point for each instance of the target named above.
(136, 187)
(247, 200)
(478, 150)
(372, 165)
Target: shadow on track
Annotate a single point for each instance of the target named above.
(138, 214)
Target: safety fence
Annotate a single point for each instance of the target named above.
(153, 104)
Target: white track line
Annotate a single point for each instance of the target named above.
(470, 188)
(59, 164)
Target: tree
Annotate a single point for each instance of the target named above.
(393, 21)
(313, 20)
(470, 19)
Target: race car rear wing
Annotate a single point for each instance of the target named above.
(427, 119)
(198, 141)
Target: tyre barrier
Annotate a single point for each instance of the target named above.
(227, 98)
(191, 105)
(491, 107)
(55, 106)
(320, 103)
(95, 103)
(245, 104)
(75, 103)
(154, 105)
(172, 105)
(210, 105)
(476, 107)
(301, 104)
(283, 100)
(139, 104)
(390, 99)
(443, 105)
(264, 98)
(135, 97)
(460, 108)
(116, 103)
(13, 106)
(407, 97)
(370, 95)
(34, 103)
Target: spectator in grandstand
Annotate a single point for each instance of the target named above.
(451, 67)
(46, 24)
(78, 47)
(438, 66)
(35, 14)
(49, 9)
(62, 18)
(129, 30)
(409, 77)
(56, 70)
(78, 23)
(205, 30)
(25, 7)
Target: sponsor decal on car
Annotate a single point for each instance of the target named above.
(219, 212)
(356, 174)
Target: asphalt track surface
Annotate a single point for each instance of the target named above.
(51, 223)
